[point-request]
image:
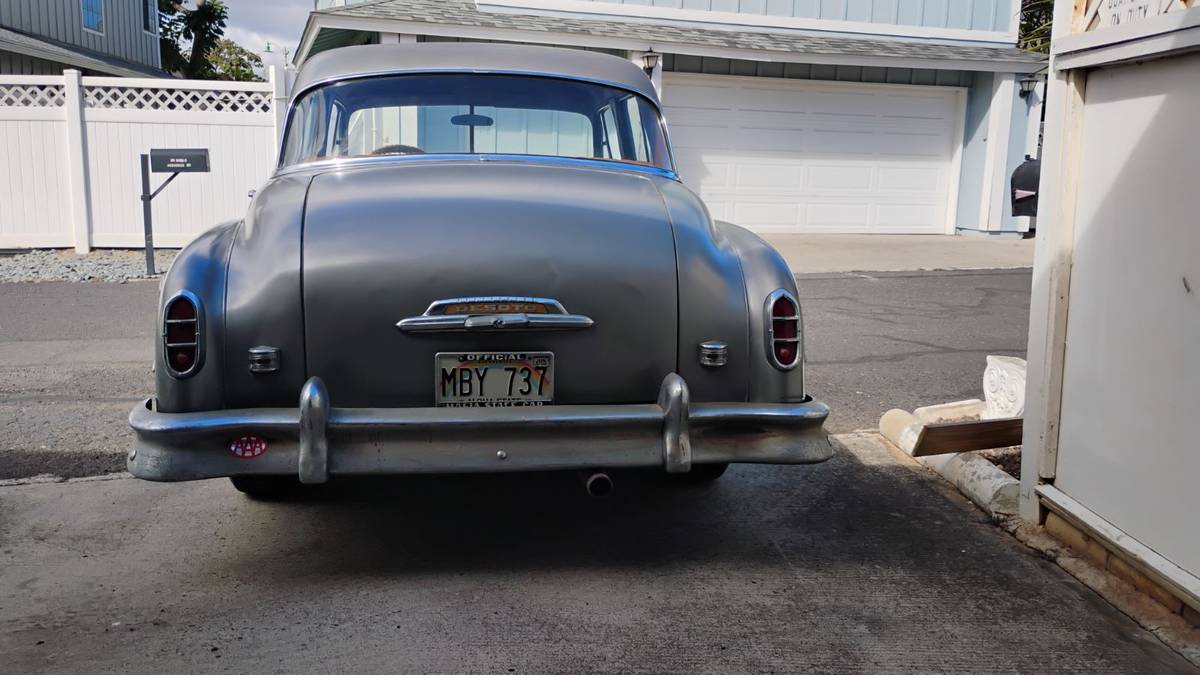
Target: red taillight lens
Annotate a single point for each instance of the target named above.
(783, 308)
(784, 330)
(181, 335)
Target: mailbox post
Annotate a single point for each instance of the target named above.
(174, 162)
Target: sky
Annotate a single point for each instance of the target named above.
(254, 23)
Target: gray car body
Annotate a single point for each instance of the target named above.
(332, 254)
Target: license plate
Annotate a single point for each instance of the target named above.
(494, 379)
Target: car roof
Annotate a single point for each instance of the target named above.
(367, 60)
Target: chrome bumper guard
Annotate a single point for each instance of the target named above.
(317, 441)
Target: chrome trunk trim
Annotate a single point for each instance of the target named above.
(431, 321)
(460, 323)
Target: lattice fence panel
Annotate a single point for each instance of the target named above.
(32, 96)
(138, 98)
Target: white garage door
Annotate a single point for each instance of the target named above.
(804, 156)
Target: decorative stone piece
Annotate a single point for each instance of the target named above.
(1004, 387)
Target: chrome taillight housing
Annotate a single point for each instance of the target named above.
(783, 330)
(182, 335)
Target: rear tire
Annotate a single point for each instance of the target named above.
(702, 473)
(271, 488)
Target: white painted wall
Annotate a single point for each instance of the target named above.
(1128, 446)
(69, 148)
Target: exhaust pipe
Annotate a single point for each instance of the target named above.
(597, 484)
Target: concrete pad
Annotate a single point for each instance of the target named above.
(826, 253)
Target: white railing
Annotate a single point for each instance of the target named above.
(69, 147)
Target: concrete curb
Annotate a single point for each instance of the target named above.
(992, 490)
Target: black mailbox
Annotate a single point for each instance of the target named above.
(179, 160)
(1025, 187)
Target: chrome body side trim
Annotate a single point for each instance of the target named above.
(317, 441)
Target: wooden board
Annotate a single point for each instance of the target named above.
(948, 437)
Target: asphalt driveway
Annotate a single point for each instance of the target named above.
(857, 565)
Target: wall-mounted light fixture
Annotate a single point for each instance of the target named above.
(650, 61)
(1028, 84)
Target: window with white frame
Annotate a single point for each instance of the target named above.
(93, 15)
(150, 16)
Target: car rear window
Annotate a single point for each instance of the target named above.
(475, 114)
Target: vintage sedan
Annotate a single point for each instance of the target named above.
(474, 258)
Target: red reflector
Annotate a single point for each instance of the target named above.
(783, 308)
(248, 447)
(785, 353)
(182, 359)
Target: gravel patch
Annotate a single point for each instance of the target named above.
(65, 265)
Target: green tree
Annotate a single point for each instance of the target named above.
(231, 61)
(1037, 21)
(187, 36)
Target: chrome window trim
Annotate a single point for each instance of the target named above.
(769, 329)
(281, 168)
(353, 162)
(199, 362)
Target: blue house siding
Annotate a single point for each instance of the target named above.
(62, 22)
(680, 63)
(982, 15)
(1016, 155)
(974, 153)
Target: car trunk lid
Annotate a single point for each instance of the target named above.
(384, 243)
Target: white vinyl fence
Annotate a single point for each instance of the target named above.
(69, 148)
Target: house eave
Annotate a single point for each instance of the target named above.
(40, 49)
(321, 20)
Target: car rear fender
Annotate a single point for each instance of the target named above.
(765, 272)
(200, 269)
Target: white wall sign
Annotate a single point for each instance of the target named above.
(1097, 14)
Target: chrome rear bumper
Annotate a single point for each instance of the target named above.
(316, 441)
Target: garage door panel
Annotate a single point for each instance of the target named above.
(838, 103)
(903, 216)
(838, 217)
(800, 156)
(701, 137)
(840, 177)
(780, 215)
(908, 177)
(773, 177)
(910, 144)
(841, 143)
(917, 107)
(769, 140)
